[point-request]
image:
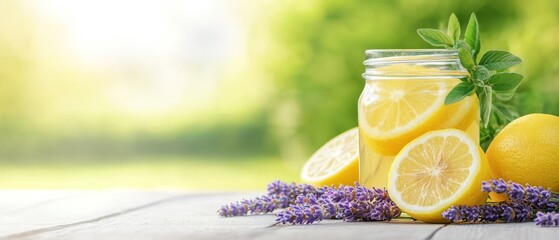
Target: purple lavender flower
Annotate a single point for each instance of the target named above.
(516, 192)
(292, 190)
(352, 210)
(314, 213)
(330, 209)
(488, 213)
(340, 193)
(486, 186)
(307, 209)
(383, 211)
(535, 197)
(360, 203)
(549, 219)
(309, 199)
(280, 195)
(292, 214)
(304, 204)
(496, 185)
(357, 192)
(452, 214)
(233, 209)
(310, 211)
(350, 203)
(522, 213)
(348, 211)
(540, 198)
(524, 201)
(470, 214)
(258, 205)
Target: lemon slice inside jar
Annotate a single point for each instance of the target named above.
(396, 111)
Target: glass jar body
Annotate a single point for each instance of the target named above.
(403, 98)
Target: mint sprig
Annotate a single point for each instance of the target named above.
(486, 78)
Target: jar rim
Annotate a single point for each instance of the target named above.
(393, 63)
(373, 55)
(409, 50)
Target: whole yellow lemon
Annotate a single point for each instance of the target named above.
(527, 151)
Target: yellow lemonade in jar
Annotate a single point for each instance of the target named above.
(403, 98)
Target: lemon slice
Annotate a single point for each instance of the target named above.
(462, 114)
(334, 163)
(436, 171)
(400, 106)
(394, 112)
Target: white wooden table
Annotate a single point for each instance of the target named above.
(140, 214)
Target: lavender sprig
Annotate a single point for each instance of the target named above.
(292, 190)
(537, 198)
(524, 201)
(304, 204)
(357, 192)
(549, 219)
(360, 203)
(489, 213)
(258, 205)
(368, 211)
(346, 202)
(308, 209)
(280, 195)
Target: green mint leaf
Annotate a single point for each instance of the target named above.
(505, 111)
(486, 78)
(463, 44)
(453, 27)
(471, 35)
(499, 60)
(466, 58)
(485, 99)
(436, 37)
(481, 73)
(509, 108)
(504, 96)
(504, 82)
(501, 113)
(459, 92)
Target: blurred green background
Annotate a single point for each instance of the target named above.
(215, 94)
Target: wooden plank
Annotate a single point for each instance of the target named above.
(13, 201)
(182, 218)
(358, 230)
(499, 231)
(61, 209)
(195, 217)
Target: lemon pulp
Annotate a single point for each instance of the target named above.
(337, 162)
(435, 171)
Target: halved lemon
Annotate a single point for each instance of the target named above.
(394, 112)
(337, 162)
(436, 171)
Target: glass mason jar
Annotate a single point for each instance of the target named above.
(404, 98)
